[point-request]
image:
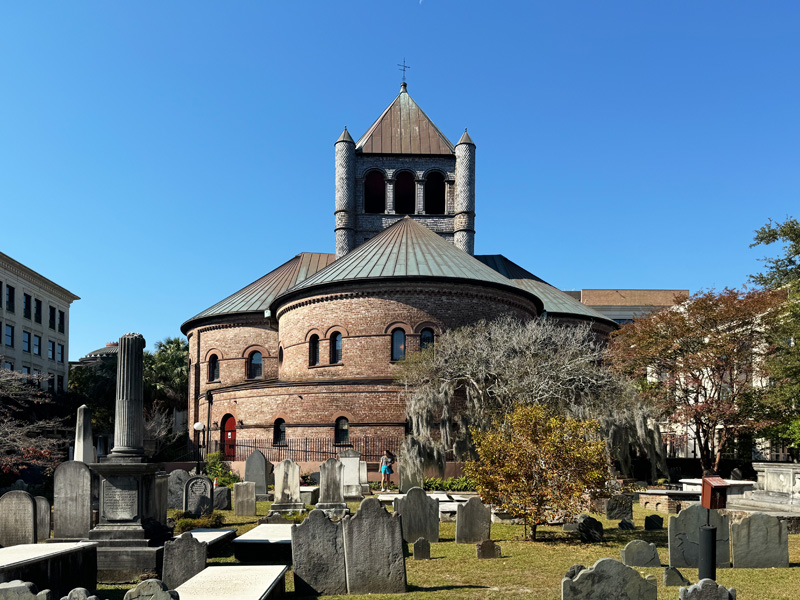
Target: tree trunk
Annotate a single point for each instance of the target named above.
(533, 532)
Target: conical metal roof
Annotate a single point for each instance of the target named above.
(257, 296)
(404, 128)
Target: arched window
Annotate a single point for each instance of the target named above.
(336, 348)
(213, 368)
(398, 344)
(279, 432)
(434, 194)
(374, 193)
(426, 338)
(254, 366)
(404, 194)
(342, 434)
(313, 350)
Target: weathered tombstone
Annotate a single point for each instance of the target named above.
(351, 474)
(184, 557)
(72, 501)
(17, 519)
(487, 549)
(590, 529)
(573, 571)
(420, 515)
(374, 537)
(410, 476)
(362, 476)
(760, 541)
(222, 498)
(318, 556)
(604, 580)
(177, 482)
(627, 525)
(197, 495)
(287, 487)
(619, 507)
(653, 522)
(422, 549)
(244, 499)
(706, 589)
(22, 590)
(42, 518)
(737, 474)
(674, 578)
(639, 553)
(473, 522)
(84, 448)
(570, 527)
(255, 470)
(151, 589)
(275, 519)
(684, 536)
(331, 489)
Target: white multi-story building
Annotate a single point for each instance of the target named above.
(34, 324)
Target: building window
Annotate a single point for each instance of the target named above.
(26, 306)
(374, 193)
(434, 194)
(51, 383)
(313, 350)
(213, 368)
(342, 434)
(398, 344)
(26, 341)
(8, 366)
(26, 370)
(51, 349)
(279, 433)
(60, 353)
(426, 338)
(10, 298)
(336, 348)
(10, 336)
(255, 366)
(37, 345)
(405, 194)
(37, 310)
(60, 383)
(61, 321)
(52, 317)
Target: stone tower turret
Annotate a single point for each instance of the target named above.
(345, 194)
(464, 223)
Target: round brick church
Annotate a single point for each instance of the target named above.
(301, 362)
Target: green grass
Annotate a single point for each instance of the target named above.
(534, 569)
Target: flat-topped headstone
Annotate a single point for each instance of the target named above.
(487, 549)
(422, 549)
(331, 488)
(184, 557)
(590, 529)
(473, 522)
(318, 556)
(17, 519)
(674, 578)
(244, 499)
(84, 446)
(197, 495)
(605, 581)
(706, 589)
(372, 538)
(151, 589)
(653, 523)
(42, 518)
(619, 507)
(236, 582)
(684, 536)
(760, 541)
(351, 474)
(287, 487)
(639, 553)
(255, 470)
(177, 482)
(72, 501)
(420, 515)
(222, 498)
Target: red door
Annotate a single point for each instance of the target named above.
(228, 442)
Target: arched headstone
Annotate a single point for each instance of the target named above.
(72, 501)
(17, 519)
(197, 496)
(42, 518)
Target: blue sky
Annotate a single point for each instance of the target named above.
(158, 156)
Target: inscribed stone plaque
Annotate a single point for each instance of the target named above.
(244, 499)
(197, 498)
(17, 519)
(72, 501)
(287, 487)
(331, 490)
(42, 518)
(120, 498)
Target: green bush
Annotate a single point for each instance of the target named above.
(451, 484)
(219, 469)
(184, 522)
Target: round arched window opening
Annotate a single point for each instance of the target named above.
(404, 194)
(374, 193)
(313, 351)
(255, 366)
(342, 432)
(426, 338)
(279, 433)
(398, 344)
(336, 348)
(434, 194)
(213, 368)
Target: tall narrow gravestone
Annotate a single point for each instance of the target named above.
(351, 474)
(72, 501)
(318, 556)
(177, 481)
(184, 557)
(287, 487)
(331, 489)
(684, 536)
(17, 519)
(84, 447)
(473, 522)
(420, 516)
(197, 499)
(42, 518)
(255, 470)
(244, 499)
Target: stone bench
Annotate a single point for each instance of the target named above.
(243, 582)
(265, 545)
(58, 567)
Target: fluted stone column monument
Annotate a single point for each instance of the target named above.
(133, 492)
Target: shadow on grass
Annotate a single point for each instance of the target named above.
(443, 588)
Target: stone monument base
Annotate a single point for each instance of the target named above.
(333, 509)
(287, 507)
(123, 564)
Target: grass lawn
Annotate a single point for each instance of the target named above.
(535, 569)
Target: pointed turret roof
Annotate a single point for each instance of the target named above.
(345, 137)
(465, 139)
(404, 128)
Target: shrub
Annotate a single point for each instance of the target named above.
(219, 469)
(185, 522)
(451, 484)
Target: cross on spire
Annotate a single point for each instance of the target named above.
(403, 68)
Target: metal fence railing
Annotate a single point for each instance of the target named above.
(308, 449)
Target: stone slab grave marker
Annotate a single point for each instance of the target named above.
(222, 498)
(590, 529)
(197, 495)
(72, 501)
(23, 590)
(43, 514)
(639, 553)
(177, 482)
(374, 550)
(674, 578)
(287, 487)
(17, 519)
(184, 557)
(420, 515)
(151, 589)
(653, 523)
(607, 579)
(706, 589)
(258, 470)
(351, 475)
(244, 499)
(84, 448)
(473, 522)
(487, 549)
(318, 556)
(684, 537)
(619, 507)
(422, 549)
(331, 488)
(760, 541)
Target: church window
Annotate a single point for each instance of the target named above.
(336, 348)
(426, 338)
(279, 433)
(255, 366)
(213, 368)
(398, 344)
(342, 433)
(374, 193)
(404, 194)
(313, 351)
(434, 194)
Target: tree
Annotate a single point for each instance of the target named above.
(166, 373)
(536, 466)
(702, 363)
(95, 386)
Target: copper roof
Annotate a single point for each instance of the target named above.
(257, 296)
(404, 128)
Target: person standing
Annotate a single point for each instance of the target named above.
(387, 460)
